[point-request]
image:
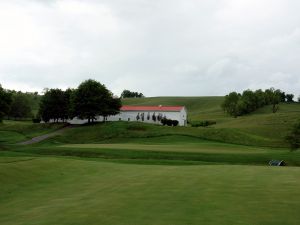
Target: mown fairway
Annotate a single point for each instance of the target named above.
(67, 191)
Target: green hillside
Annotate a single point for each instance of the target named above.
(17, 131)
(197, 107)
(262, 128)
(259, 128)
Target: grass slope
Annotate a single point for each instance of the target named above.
(259, 128)
(59, 191)
(164, 154)
(120, 132)
(17, 131)
(197, 107)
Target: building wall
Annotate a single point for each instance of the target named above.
(132, 116)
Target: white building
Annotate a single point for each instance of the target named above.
(146, 114)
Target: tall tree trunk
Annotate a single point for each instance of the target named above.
(275, 108)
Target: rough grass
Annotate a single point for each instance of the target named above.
(17, 131)
(59, 191)
(114, 132)
(262, 128)
(259, 128)
(196, 106)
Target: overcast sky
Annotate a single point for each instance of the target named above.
(158, 47)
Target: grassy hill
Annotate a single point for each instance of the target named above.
(16, 131)
(198, 107)
(262, 128)
(259, 128)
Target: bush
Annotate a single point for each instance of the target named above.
(175, 122)
(169, 122)
(36, 120)
(163, 121)
(204, 123)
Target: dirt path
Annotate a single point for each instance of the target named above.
(43, 137)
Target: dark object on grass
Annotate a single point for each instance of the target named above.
(277, 163)
(204, 123)
(36, 120)
(169, 122)
(175, 122)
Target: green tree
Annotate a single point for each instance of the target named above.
(230, 104)
(67, 110)
(5, 101)
(130, 94)
(20, 106)
(273, 98)
(283, 96)
(93, 98)
(249, 101)
(289, 98)
(53, 105)
(260, 98)
(112, 106)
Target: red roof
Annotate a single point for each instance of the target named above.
(151, 108)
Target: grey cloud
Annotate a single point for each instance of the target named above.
(156, 47)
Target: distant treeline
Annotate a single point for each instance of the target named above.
(236, 104)
(87, 101)
(131, 94)
(18, 105)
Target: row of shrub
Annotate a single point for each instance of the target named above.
(169, 122)
(204, 123)
(238, 104)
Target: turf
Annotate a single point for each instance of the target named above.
(158, 151)
(198, 107)
(114, 132)
(261, 127)
(67, 191)
(17, 131)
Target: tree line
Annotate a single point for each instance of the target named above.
(89, 100)
(17, 105)
(131, 94)
(238, 104)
